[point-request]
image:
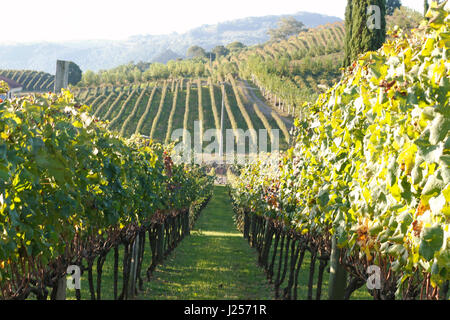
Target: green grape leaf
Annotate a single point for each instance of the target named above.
(431, 242)
(433, 186)
(439, 129)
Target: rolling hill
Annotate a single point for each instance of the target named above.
(103, 54)
(157, 109)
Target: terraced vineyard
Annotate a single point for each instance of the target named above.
(293, 71)
(31, 80)
(329, 37)
(156, 109)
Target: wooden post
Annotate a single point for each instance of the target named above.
(62, 287)
(62, 75)
(160, 243)
(222, 133)
(338, 274)
(134, 263)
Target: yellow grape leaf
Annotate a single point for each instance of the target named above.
(407, 157)
(77, 124)
(369, 256)
(446, 193)
(396, 192)
(367, 195)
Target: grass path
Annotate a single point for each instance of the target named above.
(214, 263)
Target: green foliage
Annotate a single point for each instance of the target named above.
(134, 74)
(75, 74)
(371, 164)
(404, 18)
(4, 88)
(359, 37)
(235, 46)
(220, 51)
(157, 71)
(287, 27)
(196, 52)
(65, 179)
(209, 247)
(89, 79)
(142, 66)
(391, 6)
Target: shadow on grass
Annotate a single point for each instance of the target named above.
(214, 263)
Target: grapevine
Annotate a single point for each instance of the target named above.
(371, 168)
(70, 187)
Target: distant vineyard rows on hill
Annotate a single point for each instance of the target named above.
(288, 73)
(31, 80)
(294, 71)
(156, 109)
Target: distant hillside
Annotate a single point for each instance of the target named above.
(166, 56)
(103, 54)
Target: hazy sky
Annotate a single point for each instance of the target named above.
(55, 20)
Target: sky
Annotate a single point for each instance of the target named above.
(62, 20)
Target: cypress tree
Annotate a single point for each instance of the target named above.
(348, 33)
(75, 73)
(391, 6)
(359, 37)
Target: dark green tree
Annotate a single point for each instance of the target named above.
(426, 6)
(365, 29)
(211, 56)
(287, 27)
(391, 6)
(220, 51)
(141, 65)
(75, 73)
(235, 46)
(196, 52)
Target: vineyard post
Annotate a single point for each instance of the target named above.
(133, 267)
(62, 75)
(338, 274)
(443, 291)
(221, 121)
(61, 290)
(160, 243)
